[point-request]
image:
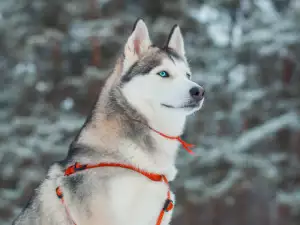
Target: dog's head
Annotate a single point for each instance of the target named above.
(158, 79)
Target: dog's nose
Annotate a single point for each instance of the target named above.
(197, 93)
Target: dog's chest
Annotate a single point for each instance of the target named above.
(138, 200)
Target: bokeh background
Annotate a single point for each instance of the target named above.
(55, 54)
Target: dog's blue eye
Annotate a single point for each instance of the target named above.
(163, 74)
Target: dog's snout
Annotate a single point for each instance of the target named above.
(197, 93)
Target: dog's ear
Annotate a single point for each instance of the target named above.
(138, 42)
(175, 41)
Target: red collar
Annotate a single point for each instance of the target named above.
(184, 144)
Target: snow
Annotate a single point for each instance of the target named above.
(237, 77)
(247, 134)
(219, 33)
(67, 104)
(205, 14)
(253, 136)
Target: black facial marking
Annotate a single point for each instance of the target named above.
(171, 53)
(129, 74)
(141, 68)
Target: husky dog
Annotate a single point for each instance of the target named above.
(145, 100)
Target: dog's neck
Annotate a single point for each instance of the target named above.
(119, 128)
(168, 123)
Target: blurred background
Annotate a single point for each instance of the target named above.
(54, 55)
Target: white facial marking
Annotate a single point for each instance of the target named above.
(159, 92)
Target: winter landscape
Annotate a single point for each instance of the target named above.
(54, 56)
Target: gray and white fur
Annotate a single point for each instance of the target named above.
(136, 96)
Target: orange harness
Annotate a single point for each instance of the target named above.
(152, 176)
(168, 206)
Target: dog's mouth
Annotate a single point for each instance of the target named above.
(185, 106)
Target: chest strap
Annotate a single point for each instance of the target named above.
(168, 205)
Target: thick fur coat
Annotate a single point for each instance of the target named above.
(150, 87)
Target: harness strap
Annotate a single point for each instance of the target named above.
(60, 196)
(168, 205)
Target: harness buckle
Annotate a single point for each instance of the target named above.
(169, 205)
(74, 168)
(59, 193)
(79, 167)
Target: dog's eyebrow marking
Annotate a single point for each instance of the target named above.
(128, 75)
(171, 58)
(172, 54)
(141, 68)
